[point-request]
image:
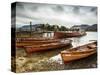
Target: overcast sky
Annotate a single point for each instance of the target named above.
(66, 15)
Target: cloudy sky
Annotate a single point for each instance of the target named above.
(66, 15)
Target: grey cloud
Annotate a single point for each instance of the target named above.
(55, 14)
(76, 9)
(58, 8)
(24, 16)
(94, 9)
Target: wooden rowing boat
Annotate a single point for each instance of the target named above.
(49, 46)
(32, 39)
(75, 34)
(79, 52)
(68, 34)
(34, 42)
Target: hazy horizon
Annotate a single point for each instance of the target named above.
(66, 15)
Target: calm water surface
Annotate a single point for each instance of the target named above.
(84, 39)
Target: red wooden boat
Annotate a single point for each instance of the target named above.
(79, 52)
(75, 34)
(49, 46)
(23, 43)
(32, 39)
(68, 34)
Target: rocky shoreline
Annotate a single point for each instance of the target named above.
(49, 61)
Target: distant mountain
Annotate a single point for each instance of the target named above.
(92, 28)
(86, 27)
(83, 26)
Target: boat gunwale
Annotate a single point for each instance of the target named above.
(76, 48)
(78, 52)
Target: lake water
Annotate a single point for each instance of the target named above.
(51, 59)
(85, 39)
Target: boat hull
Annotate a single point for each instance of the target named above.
(72, 57)
(58, 35)
(68, 34)
(22, 43)
(75, 34)
(72, 54)
(43, 47)
(32, 39)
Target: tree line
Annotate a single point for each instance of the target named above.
(49, 27)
